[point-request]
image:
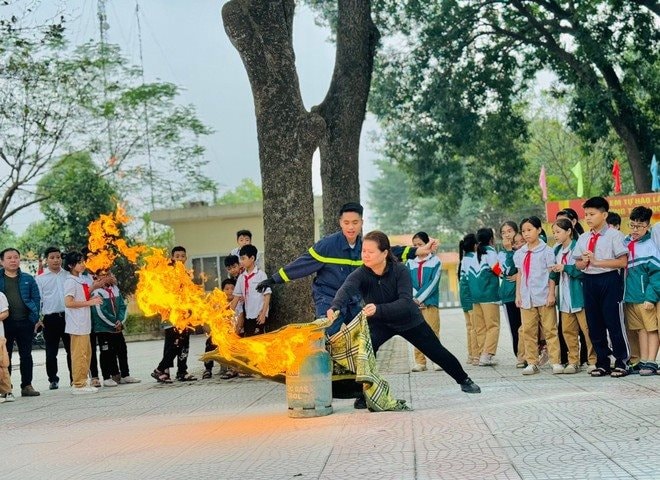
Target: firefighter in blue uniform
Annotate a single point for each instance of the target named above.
(333, 258)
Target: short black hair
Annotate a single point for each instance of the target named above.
(50, 250)
(178, 248)
(231, 260)
(227, 281)
(640, 214)
(613, 218)
(248, 251)
(423, 236)
(10, 249)
(247, 233)
(599, 203)
(351, 207)
(72, 259)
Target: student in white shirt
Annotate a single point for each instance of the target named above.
(51, 289)
(535, 295)
(77, 303)
(255, 303)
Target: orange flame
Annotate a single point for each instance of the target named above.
(167, 289)
(105, 242)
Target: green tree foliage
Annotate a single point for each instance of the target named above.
(56, 99)
(76, 194)
(247, 191)
(452, 81)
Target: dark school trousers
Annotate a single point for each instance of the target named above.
(176, 346)
(603, 294)
(426, 341)
(21, 333)
(113, 355)
(93, 361)
(515, 320)
(54, 324)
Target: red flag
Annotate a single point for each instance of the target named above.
(543, 185)
(616, 175)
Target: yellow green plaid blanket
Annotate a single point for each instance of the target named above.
(351, 348)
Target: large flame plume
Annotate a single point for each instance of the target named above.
(167, 289)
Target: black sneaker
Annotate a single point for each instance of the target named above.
(468, 386)
(360, 403)
(53, 386)
(634, 368)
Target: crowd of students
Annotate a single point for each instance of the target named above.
(590, 300)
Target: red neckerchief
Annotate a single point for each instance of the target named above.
(246, 282)
(564, 258)
(631, 249)
(86, 290)
(527, 263)
(111, 296)
(419, 273)
(592, 242)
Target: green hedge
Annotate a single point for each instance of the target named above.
(136, 324)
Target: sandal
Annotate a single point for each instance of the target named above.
(161, 377)
(228, 374)
(599, 372)
(618, 372)
(186, 378)
(648, 368)
(206, 375)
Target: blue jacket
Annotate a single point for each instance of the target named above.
(29, 292)
(332, 260)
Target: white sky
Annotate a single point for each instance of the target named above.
(183, 42)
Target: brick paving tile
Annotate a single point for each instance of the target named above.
(540, 427)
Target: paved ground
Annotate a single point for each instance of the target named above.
(539, 427)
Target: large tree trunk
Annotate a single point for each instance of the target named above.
(344, 107)
(261, 31)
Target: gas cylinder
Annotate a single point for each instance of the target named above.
(309, 384)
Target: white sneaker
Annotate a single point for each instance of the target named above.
(419, 368)
(83, 390)
(487, 360)
(8, 397)
(109, 383)
(591, 368)
(557, 368)
(571, 368)
(530, 369)
(129, 379)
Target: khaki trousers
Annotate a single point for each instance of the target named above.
(432, 316)
(81, 351)
(472, 346)
(571, 324)
(486, 320)
(531, 319)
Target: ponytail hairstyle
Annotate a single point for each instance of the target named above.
(566, 224)
(466, 245)
(484, 238)
(383, 243)
(423, 236)
(573, 217)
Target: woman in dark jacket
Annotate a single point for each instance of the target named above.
(385, 286)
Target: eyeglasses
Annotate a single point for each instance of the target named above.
(638, 226)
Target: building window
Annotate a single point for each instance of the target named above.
(209, 271)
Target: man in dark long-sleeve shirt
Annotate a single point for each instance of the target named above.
(332, 259)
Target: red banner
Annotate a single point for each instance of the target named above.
(619, 204)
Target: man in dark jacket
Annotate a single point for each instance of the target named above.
(22, 295)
